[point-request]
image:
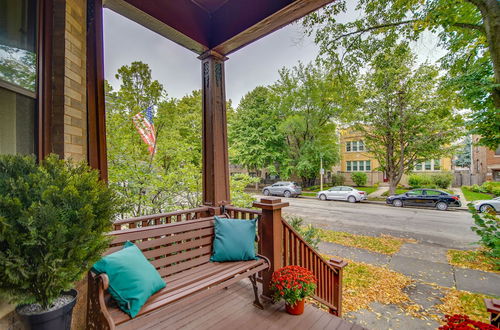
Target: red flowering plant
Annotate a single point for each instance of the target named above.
(292, 284)
(463, 322)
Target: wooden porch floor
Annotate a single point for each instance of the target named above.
(233, 309)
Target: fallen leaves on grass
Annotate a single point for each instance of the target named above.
(463, 302)
(364, 284)
(385, 244)
(475, 259)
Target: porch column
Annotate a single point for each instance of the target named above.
(271, 238)
(215, 155)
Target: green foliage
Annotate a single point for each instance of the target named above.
(238, 183)
(309, 233)
(464, 153)
(489, 187)
(337, 179)
(488, 228)
(442, 180)
(468, 30)
(52, 220)
(406, 115)
(436, 180)
(359, 178)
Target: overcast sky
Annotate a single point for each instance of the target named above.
(178, 69)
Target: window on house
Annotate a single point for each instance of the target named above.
(368, 165)
(497, 152)
(418, 167)
(428, 165)
(355, 166)
(355, 146)
(361, 146)
(361, 165)
(17, 76)
(349, 168)
(348, 146)
(437, 165)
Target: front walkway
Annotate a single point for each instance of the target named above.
(378, 193)
(233, 309)
(427, 264)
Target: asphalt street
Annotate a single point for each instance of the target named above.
(449, 229)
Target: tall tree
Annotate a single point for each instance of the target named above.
(468, 29)
(255, 140)
(464, 157)
(406, 117)
(311, 99)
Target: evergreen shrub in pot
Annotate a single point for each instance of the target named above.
(52, 219)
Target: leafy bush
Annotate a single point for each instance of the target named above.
(52, 220)
(460, 322)
(488, 228)
(359, 178)
(420, 180)
(338, 179)
(489, 187)
(437, 180)
(442, 180)
(309, 233)
(239, 182)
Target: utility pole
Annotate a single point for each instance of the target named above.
(321, 172)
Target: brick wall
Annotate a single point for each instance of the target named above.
(75, 122)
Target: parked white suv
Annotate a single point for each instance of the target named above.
(342, 193)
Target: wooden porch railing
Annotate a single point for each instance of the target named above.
(162, 218)
(328, 273)
(279, 242)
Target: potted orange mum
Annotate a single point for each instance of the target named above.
(293, 284)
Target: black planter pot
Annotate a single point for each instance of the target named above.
(59, 319)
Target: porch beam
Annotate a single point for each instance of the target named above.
(215, 155)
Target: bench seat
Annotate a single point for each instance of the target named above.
(181, 254)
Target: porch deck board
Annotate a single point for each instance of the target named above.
(233, 309)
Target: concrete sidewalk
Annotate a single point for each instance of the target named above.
(427, 265)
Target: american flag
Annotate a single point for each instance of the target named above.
(143, 121)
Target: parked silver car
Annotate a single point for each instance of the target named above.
(283, 188)
(342, 193)
(487, 205)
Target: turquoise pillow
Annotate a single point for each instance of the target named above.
(234, 240)
(132, 279)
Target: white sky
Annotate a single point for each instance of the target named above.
(179, 70)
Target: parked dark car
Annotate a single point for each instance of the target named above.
(425, 197)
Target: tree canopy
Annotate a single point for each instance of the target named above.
(468, 29)
(406, 115)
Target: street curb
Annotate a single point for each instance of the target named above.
(383, 203)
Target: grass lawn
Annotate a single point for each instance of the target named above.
(474, 196)
(463, 302)
(382, 244)
(368, 190)
(308, 193)
(364, 284)
(474, 259)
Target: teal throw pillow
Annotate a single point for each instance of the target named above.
(234, 240)
(132, 279)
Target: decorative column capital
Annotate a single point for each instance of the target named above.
(214, 54)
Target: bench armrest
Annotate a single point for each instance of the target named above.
(266, 259)
(98, 315)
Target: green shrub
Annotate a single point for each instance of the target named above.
(359, 178)
(437, 180)
(338, 179)
(442, 180)
(309, 233)
(420, 180)
(491, 187)
(52, 220)
(488, 228)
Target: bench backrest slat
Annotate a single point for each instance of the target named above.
(172, 247)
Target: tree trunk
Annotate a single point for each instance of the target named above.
(392, 185)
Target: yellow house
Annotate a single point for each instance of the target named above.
(354, 157)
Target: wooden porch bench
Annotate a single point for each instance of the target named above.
(180, 252)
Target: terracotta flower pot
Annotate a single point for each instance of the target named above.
(296, 309)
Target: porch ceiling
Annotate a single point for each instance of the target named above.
(220, 25)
